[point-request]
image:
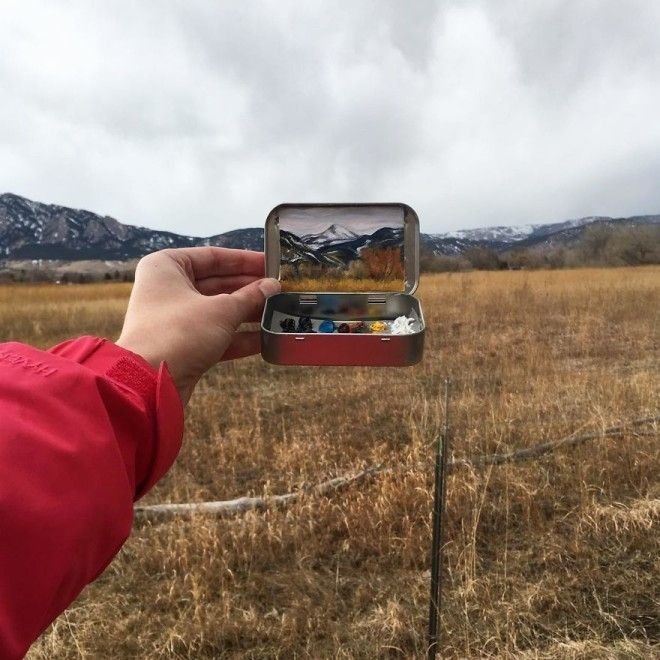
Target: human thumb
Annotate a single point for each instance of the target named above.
(249, 300)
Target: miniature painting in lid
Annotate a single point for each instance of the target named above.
(343, 247)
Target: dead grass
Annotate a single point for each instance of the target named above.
(556, 558)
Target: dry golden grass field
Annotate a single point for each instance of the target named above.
(556, 557)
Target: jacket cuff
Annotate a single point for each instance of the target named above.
(154, 388)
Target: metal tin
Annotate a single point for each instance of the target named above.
(344, 263)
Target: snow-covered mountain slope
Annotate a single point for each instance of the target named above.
(511, 234)
(31, 230)
(500, 234)
(503, 238)
(333, 234)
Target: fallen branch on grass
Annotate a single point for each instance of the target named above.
(243, 504)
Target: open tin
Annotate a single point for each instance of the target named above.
(348, 274)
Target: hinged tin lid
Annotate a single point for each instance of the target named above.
(343, 247)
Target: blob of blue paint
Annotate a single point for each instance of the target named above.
(327, 326)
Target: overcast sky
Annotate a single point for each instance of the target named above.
(200, 116)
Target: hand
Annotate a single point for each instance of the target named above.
(186, 306)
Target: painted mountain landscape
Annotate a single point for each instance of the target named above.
(342, 249)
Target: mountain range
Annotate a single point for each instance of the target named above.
(33, 230)
(539, 236)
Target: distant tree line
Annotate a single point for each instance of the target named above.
(35, 275)
(600, 245)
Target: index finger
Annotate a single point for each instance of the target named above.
(212, 261)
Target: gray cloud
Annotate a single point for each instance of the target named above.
(199, 116)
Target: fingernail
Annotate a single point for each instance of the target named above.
(269, 287)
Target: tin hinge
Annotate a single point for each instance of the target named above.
(308, 299)
(376, 298)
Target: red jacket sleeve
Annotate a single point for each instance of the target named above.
(85, 429)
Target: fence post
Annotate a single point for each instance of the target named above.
(435, 605)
